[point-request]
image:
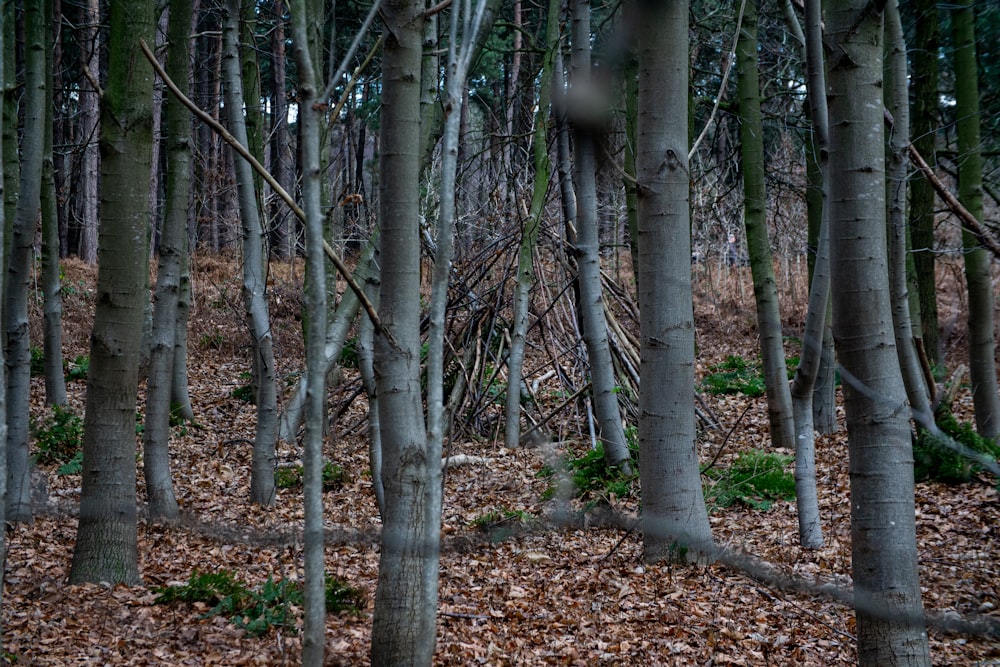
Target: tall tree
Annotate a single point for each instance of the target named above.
(924, 115)
(18, 344)
(254, 278)
(674, 518)
(772, 350)
(90, 120)
(106, 540)
(173, 249)
(584, 98)
(883, 535)
(403, 627)
(3, 365)
(978, 276)
(283, 226)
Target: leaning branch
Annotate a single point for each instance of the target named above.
(266, 175)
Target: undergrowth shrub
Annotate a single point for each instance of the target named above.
(755, 479)
(593, 479)
(272, 604)
(58, 435)
(334, 476)
(935, 458)
(502, 522)
(735, 375)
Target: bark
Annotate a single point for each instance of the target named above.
(897, 163)
(173, 247)
(18, 344)
(529, 239)
(11, 165)
(4, 38)
(106, 542)
(310, 121)
(52, 336)
(674, 519)
(978, 278)
(254, 280)
(90, 117)
(595, 329)
(404, 622)
(883, 541)
(772, 350)
(283, 225)
(366, 365)
(924, 121)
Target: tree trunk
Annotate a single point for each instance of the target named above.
(254, 280)
(924, 77)
(18, 350)
(772, 350)
(90, 116)
(52, 336)
(883, 540)
(595, 329)
(106, 542)
(283, 225)
(404, 623)
(173, 248)
(5, 36)
(978, 278)
(674, 519)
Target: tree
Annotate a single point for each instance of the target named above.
(403, 627)
(18, 344)
(3, 365)
(173, 248)
(978, 276)
(674, 519)
(90, 118)
(883, 539)
(106, 541)
(772, 350)
(254, 280)
(588, 257)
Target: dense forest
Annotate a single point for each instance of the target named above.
(499, 332)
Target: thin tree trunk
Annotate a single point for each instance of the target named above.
(883, 540)
(18, 350)
(173, 248)
(52, 336)
(90, 115)
(282, 235)
(674, 519)
(595, 329)
(772, 350)
(107, 540)
(978, 277)
(5, 29)
(404, 623)
(254, 285)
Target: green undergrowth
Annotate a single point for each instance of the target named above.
(502, 522)
(755, 479)
(273, 604)
(736, 375)
(936, 458)
(58, 436)
(334, 476)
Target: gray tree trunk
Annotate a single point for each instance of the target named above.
(404, 623)
(674, 519)
(106, 541)
(173, 248)
(90, 117)
(978, 277)
(4, 38)
(883, 541)
(283, 225)
(588, 258)
(254, 280)
(310, 126)
(18, 350)
(772, 350)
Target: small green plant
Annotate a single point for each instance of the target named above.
(58, 435)
(288, 478)
(501, 522)
(243, 393)
(211, 341)
(37, 361)
(935, 457)
(349, 353)
(72, 467)
(334, 476)
(594, 479)
(77, 369)
(273, 604)
(735, 375)
(755, 479)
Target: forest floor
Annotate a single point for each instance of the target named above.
(576, 594)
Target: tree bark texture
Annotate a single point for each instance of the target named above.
(90, 120)
(106, 543)
(883, 540)
(674, 519)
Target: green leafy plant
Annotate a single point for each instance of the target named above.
(78, 368)
(211, 341)
(288, 478)
(58, 435)
(334, 476)
(735, 375)
(72, 467)
(755, 479)
(37, 361)
(935, 457)
(273, 604)
(501, 522)
(349, 353)
(594, 479)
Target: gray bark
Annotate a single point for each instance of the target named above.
(90, 115)
(18, 344)
(107, 540)
(883, 541)
(595, 329)
(254, 280)
(674, 519)
(4, 27)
